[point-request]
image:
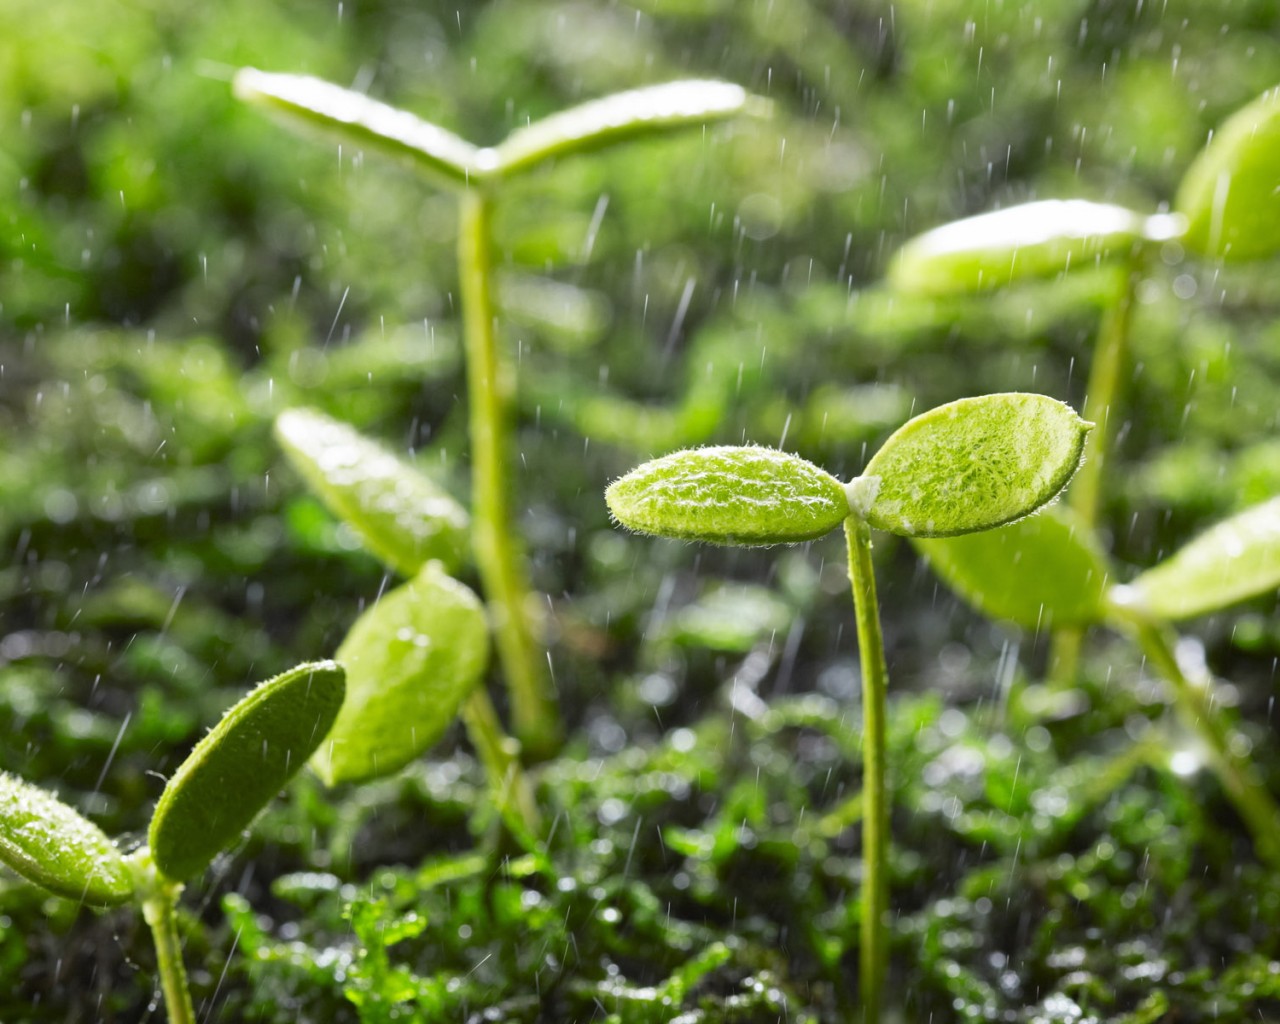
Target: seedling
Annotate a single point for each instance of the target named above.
(1226, 209)
(230, 776)
(417, 658)
(479, 177)
(1052, 570)
(968, 466)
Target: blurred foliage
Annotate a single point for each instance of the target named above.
(175, 269)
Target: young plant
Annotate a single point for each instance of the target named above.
(967, 466)
(417, 658)
(1053, 571)
(230, 776)
(479, 176)
(1226, 209)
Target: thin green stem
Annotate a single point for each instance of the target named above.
(1195, 702)
(159, 911)
(1101, 398)
(498, 555)
(875, 817)
(500, 755)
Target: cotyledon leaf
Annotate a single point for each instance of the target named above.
(1040, 239)
(367, 123)
(730, 495)
(1229, 195)
(411, 659)
(1233, 560)
(624, 116)
(1042, 571)
(51, 844)
(244, 761)
(971, 465)
(402, 516)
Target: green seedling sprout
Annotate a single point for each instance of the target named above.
(417, 658)
(479, 177)
(230, 776)
(967, 466)
(1052, 570)
(1226, 209)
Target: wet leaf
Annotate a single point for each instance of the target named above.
(1228, 194)
(729, 495)
(244, 761)
(363, 122)
(971, 465)
(402, 516)
(1234, 560)
(1043, 571)
(52, 845)
(410, 661)
(996, 249)
(653, 110)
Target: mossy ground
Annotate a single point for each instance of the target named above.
(174, 271)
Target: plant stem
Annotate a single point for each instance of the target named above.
(498, 555)
(500, 755)
(875, 819)
(1238, 775)
(1101, 396)
(158, 910)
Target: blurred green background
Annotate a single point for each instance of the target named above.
(175, 269)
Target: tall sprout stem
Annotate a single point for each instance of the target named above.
(1194, 700)
(875, 818)
(1101, 398)
(498, 555)
(500, 756)
(159, 911)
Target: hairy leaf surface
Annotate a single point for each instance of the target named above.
(244, 761)
(51, 844)
(971, 465)
(730, 495)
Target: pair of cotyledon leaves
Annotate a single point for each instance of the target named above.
(232, 773)
(969, 465)
(1227, 207)
(454, 162)
(1051, 570)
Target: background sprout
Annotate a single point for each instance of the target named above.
(966, 466)
(479, 175)
(402, 515)
(418, 656)
(411, 660)
(997, 249)
(1226, 208)
(1051, 570)
(225, 782)
(1228, 195)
